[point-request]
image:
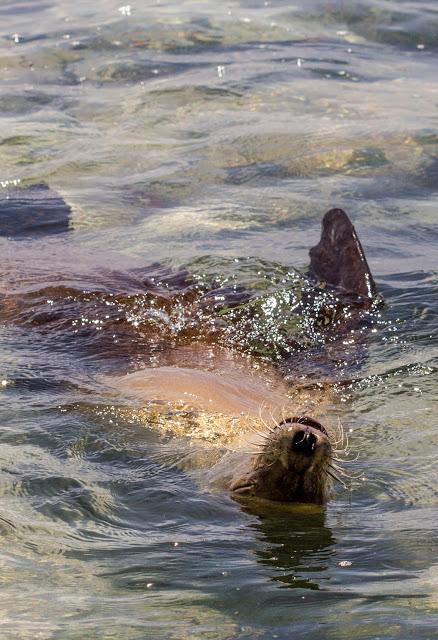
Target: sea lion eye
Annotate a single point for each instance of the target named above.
(308, 422)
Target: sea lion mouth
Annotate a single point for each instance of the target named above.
(241, 489)
(305, 420)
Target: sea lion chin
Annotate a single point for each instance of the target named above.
(292, 466)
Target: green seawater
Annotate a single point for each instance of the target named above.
(217, 134)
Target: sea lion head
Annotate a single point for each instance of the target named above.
(292, 466)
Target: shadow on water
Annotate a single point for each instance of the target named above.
(297, 543)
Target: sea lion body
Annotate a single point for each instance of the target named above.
(269, 446)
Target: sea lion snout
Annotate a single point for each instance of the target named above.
(292, 465)
(299, 447)
(304, 442)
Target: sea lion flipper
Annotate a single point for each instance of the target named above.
(32, 211)
(339, 260)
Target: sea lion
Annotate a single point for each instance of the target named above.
(232, 394)
(287, 459)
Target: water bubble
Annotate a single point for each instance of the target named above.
(345, 563)
(125, 10)
(8, 183)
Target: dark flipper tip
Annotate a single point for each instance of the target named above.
(338, 259)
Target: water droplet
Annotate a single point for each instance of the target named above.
(345, 563)
(126, 10)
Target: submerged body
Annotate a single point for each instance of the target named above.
(247, 416)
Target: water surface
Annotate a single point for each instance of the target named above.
(214, 135)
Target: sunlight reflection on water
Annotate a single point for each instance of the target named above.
(200, 134)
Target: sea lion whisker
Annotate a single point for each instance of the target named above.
(261, 409)
(342, 435)
(173, 459)
(270, 429)
(273, 419)
(353, 475)
(256, 431)
(350, 476)
(339, 453)
(279, 423)
(263, 436)
(344, 461)
(342, 439)
(335, 466)
(337, 470)
(243, 451)
(341, 430)
(251, 427)
(336, 459)
(283, 415)
(341, 450)
(335, 477)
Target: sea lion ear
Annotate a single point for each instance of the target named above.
(338, 259)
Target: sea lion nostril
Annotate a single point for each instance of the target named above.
(304, 442)
(298, 437)
(312, 439)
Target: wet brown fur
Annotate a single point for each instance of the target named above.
(281, 472)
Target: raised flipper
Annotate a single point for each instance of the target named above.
(337, 263)
(34, 211)
(338, 259)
